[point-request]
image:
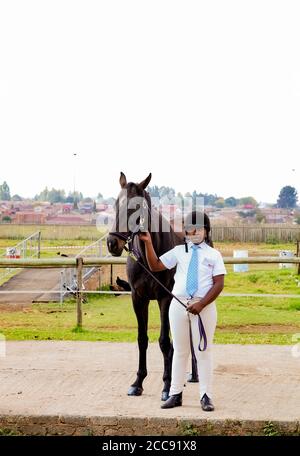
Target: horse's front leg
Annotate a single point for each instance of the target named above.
(165, 345)
(140, 306)
(193, 376)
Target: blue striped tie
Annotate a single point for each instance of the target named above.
(192, 275)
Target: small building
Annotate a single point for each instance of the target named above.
(67, 207)
(30, 217)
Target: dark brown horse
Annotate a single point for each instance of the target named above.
(143, 287)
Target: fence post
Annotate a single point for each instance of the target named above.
(79, 267)
(298, 255)
(39, 245)
(100, 282)
(61, 296)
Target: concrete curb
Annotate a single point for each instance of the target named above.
(155, 426)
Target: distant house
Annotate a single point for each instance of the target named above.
(66, 208)
(101, 207)
(276, 218)
(67, 220)
(86, 208)
(30, 217)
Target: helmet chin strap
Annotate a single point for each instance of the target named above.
(188, 238)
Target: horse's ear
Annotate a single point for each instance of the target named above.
(123, 180)
(145, 182)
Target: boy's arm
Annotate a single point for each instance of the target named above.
(211, 295)
(154, 262)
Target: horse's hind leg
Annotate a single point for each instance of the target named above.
(165, 345)
(141, 311)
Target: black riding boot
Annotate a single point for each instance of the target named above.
(206, 403)
(174, 401)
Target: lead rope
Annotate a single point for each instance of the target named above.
(133, 254)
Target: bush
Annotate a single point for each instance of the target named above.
(6, 219)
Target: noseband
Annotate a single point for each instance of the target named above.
(130, 235)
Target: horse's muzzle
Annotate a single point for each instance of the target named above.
(115, 246)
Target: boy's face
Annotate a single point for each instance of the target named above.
(196, 235)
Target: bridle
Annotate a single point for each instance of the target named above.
(129, 236)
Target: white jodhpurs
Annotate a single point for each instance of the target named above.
(179, 325)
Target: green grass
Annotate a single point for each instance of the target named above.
(269, 281)
(240, 320)
(244, 320)
(84, 232)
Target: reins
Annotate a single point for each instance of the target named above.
(134, 254)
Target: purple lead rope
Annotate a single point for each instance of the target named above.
(202, 334)
(136, 254)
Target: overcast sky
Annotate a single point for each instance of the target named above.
(204, 94)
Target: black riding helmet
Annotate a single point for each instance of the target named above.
(196, 219)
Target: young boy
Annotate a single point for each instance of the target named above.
(199, 274)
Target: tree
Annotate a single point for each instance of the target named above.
(209, 199)
(180, 197)
(248, 200)
(43, 196)
(260, 217)
(287, 197)
(6, 219)
(231, 202)
(16, 198)
(70, 198)
(57, 196)
(5, 192)
(153, 191)
(246, 214)
(99, 198)
(110, 201)
(220, 202)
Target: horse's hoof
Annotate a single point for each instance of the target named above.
(135, 391)
(165, 396)
(193, 378)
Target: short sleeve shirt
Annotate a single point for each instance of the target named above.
(210, 264)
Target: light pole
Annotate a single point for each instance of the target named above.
(295, 172)
(295, 181)
(74, 171)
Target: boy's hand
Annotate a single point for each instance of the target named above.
(145, 237)
(195, 308)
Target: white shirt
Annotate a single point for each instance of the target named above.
(210, 263)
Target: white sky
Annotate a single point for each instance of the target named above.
(204, 94)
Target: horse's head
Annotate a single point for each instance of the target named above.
(132, 210)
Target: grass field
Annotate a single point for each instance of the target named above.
(246, 320)
(54, 232)
(240, 320)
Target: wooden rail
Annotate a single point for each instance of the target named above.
(98, 261)
(81, 262)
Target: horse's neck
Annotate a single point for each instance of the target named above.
(162, 240)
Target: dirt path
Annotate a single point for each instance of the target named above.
(29, 280)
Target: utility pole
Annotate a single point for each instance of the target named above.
(74, 172)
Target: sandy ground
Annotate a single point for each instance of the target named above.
(251, 382)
